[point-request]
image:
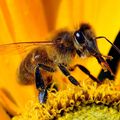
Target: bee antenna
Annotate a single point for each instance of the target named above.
(114, 46)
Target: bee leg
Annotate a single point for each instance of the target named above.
(108, 57)
(40, 82)
(86, 71)
(104, 64)
(40, 85)
(67, 73)
(38, 79)
(47, 68)
(42, 95)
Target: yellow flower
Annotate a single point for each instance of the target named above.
(87, 102)
(27, 20)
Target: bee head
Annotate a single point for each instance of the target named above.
(80, 34)
(84, 39)
(79, 39)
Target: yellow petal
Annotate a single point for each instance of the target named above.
(19, 21)
(3, 114)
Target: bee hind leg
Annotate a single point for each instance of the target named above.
(40, 85)
(67, 73)
(86, 71)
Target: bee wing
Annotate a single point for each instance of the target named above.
(21, 47)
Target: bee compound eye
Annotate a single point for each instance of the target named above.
(79, 37)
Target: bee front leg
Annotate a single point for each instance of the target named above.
(104, 64)
(67, 73)
(86, 71)
(40, 82)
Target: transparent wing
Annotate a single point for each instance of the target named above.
(21, 47)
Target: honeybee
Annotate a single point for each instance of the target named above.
(48, 56)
